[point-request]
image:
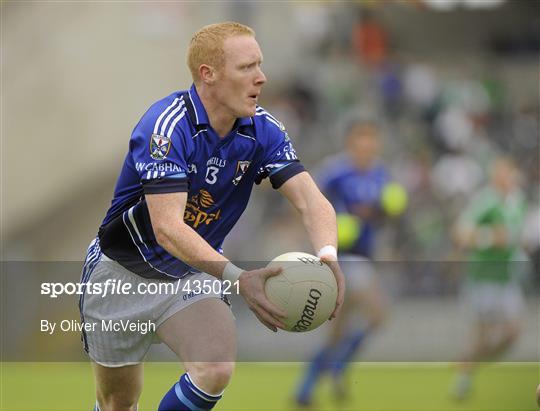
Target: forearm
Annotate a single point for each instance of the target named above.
(178, 238)
(181, 241)
(483, 237)
(318, 215)
(319, 219)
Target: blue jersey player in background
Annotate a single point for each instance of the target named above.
(193, 159)
(354, 182)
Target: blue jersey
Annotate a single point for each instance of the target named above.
(173, 148)
(348, 188)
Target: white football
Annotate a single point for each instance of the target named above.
(306, 289)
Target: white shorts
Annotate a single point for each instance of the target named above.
(492, 302)
(120, 324)
(359, 272)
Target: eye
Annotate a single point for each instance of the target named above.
(248, 67)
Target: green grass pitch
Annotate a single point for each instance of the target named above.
(374, 387)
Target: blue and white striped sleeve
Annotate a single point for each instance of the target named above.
(159, 148)
(280, 161)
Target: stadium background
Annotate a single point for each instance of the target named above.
(454, 83)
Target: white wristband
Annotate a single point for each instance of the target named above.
(231, 273)
(327, 250)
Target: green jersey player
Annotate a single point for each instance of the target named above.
(489, 230)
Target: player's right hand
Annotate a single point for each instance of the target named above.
(251, 286)
(332, 262)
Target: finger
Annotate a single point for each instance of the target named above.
(262, 320)
(340, 281)
(339, 301)
(268, 318)
(272, 309)
(337, 309)
(266, 324)
(263, 314)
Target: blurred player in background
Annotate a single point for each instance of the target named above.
(192, 162)
(359, 188)
(489, 229)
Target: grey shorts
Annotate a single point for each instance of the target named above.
(359, 272)
(493, 302)
(121, 311)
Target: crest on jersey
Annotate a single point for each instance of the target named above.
(241, 168)
(159, 146)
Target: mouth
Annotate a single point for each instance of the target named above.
(254, 97)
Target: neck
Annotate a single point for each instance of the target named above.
(219, 117)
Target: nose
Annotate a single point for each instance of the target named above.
(261, 78)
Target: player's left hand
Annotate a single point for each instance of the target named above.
(332, 262)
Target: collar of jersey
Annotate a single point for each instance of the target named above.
(198, 115)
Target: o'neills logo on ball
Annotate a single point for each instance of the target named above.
(309, 311)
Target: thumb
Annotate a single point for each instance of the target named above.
(272, 272)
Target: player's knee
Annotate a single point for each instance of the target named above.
(377, 318)
(218, 375)
(212, 377)
(512, 332)
(116, 403)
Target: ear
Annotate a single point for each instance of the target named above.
(207, 74)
